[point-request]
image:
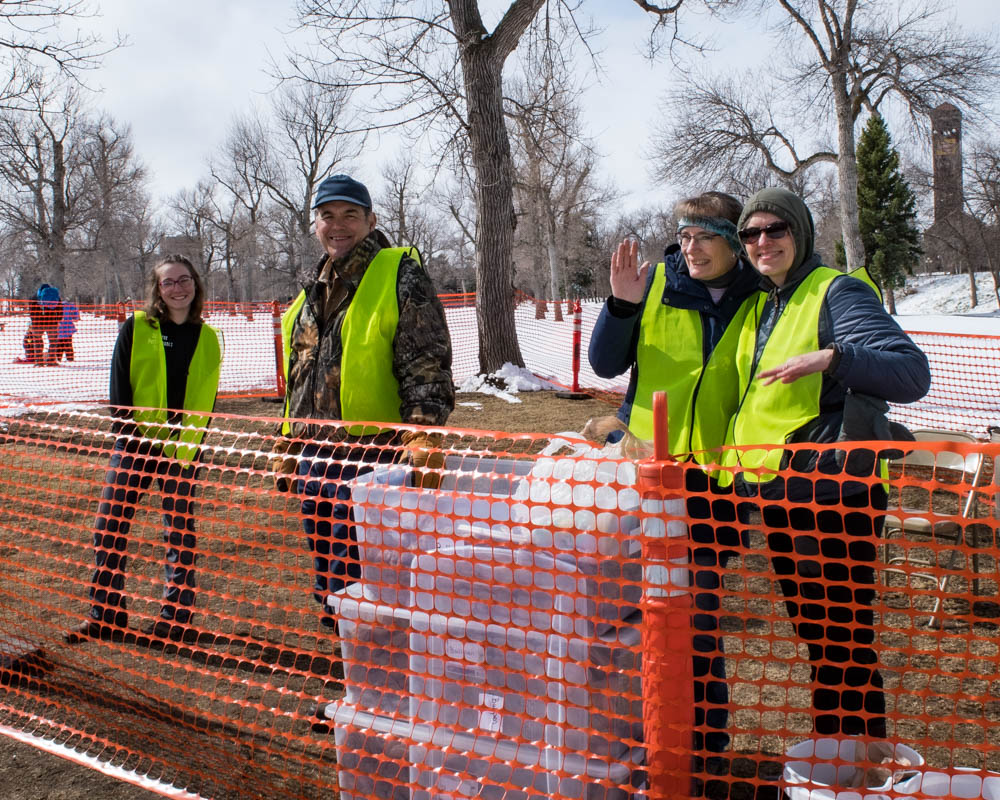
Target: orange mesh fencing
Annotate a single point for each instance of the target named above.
(965, 385)
(494, 638)
(964, 391)
(71, 364)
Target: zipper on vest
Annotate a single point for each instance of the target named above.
(319, 339)
(705, 356)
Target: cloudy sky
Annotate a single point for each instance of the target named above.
(192, 64)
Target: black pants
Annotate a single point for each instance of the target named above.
(134, 465)
(825, 559)
(712, 547)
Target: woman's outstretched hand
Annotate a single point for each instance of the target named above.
(628, 282)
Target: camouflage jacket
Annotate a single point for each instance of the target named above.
(421, 348)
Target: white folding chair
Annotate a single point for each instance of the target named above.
(962, 473)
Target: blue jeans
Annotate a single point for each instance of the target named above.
(134, 465)
(324, 472)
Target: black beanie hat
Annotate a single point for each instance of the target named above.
(789, 207)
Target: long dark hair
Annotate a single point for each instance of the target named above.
(156, 309)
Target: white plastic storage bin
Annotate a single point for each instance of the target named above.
(391, 759)
(493, 633)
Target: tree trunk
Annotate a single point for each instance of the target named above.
(251, 256)
(890, 297)
(495, 209)
(552, 252)
(972, 286)
(847, 175)
(482, 59)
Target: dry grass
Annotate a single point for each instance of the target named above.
(940, 682)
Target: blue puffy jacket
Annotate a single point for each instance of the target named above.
(47, 294)
(874, 357)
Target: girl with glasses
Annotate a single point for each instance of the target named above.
(164, 380)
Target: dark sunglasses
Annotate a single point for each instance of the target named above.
(776, 230)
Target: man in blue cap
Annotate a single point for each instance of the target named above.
(340, 366)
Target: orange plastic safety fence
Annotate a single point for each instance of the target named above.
(965, 386)
(534, 619)
(69, 361)
(50, 369)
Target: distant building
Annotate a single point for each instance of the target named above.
(949, 244)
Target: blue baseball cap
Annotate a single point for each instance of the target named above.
(342, 187)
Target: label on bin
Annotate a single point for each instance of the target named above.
(490, 720)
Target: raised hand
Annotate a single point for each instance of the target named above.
(627, 282)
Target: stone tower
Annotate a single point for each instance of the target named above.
(950, 242)
(946, 138)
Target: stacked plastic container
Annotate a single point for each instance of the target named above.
(490, 649)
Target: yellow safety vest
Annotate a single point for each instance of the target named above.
(148, 376)
(670, 358)
(771, 414)
(368, 388)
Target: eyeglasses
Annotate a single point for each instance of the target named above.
(776, 230)
(180, 283)
(684, 239)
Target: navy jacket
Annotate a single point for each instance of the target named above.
(616, 332)
(874, 357)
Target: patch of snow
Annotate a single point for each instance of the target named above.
(941, 294)
(505, 383)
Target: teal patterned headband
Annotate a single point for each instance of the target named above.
(718, 225)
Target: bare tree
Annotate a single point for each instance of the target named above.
(192, 215)
(455, 202)
(116, 230)
(270, 165)
(39, 167)
(32, 39)
(308, 140)
(441, 64)
(554, 160)
(727, 137)
(17, 265)
(653, 228)
(244, 170)
(406, 213)
(848, 56)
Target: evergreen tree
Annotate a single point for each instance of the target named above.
(886, 211)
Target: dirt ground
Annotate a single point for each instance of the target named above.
(27, 773)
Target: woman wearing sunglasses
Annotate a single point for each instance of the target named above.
(164, 375)
(814, 341)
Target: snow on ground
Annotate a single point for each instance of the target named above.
(505, 383)
(942, 294)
